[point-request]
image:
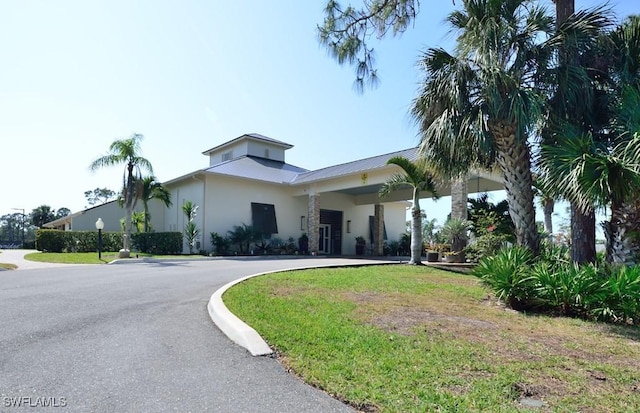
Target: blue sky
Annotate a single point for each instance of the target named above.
(190, 75)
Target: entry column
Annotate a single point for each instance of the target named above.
(313, 222)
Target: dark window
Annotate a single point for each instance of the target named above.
(264, 219)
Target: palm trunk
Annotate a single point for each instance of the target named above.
(564, 9)
(128, 203)
(583, 224)
(583, 235)
(621, 232)
(548, 205)
(515, 162)
(146, 215)
(416, 230)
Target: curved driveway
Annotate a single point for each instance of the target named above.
(136, 337)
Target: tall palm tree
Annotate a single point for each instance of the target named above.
(149, 188)
(596, 162)
(480, 105)
(419, 177)
(127, 152)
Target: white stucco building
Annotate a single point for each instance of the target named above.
(249, 181)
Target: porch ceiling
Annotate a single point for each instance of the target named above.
(368, 194)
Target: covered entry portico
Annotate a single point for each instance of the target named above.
(342, 198)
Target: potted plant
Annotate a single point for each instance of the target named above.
(433, 254)
(360, 244)
(455, 232)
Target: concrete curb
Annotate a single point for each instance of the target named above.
(237, 330)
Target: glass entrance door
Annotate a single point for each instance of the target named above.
(324, 243)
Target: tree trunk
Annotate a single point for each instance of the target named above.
(583, 235)
(564, 9)
(128, 205)
(146, 215)
(583, 224)
(459, 194)
(547, 206)
(515, 162)
(416, 230)
(622, 234)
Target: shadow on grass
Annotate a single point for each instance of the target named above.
(624, 331)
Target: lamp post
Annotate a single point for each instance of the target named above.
(21, 209)
(100, 227)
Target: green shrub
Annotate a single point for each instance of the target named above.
(220, 244)
(568, 288)
(551, 282)
(507, 274)
(52, 240)
(621, 296)
(159, 243)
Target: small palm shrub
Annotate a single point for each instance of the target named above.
(507, 274)
(551, 283)
(567, 288)
(220, 243)
(620, 296)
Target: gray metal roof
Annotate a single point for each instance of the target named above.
(260, 169)
(254, 136)
(354, 167)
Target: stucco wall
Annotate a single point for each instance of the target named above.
(258, 149)
(191, 189)
(111, 214)
(237, 149)
(229, 203)
(226, 201)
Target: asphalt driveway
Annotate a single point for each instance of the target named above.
(137, 338)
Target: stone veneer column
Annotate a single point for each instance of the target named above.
(378, 230)
(459, 193)
(313, 223)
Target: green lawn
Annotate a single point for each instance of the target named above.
(8, 266)
(91, 257)
(403, 338)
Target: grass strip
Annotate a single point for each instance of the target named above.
(92, 257)
(403, 338)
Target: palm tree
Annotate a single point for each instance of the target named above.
(588, 172)
(478, 106)
(419, 177)
(137, 220)
(242, 236)
(127, 152)
(596, 163)
(149, 188)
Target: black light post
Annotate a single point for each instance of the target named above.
(99, 227)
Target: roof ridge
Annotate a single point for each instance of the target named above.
(361, 160)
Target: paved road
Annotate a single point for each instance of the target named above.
(137, 338)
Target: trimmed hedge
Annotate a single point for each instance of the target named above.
(158, 243)
(53, 240)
